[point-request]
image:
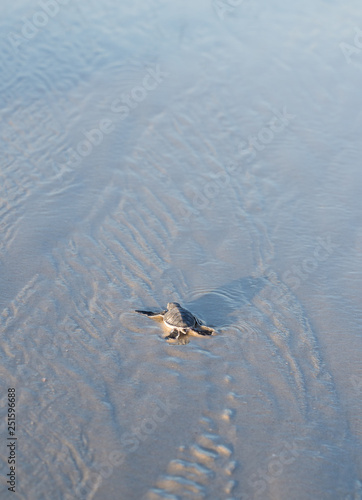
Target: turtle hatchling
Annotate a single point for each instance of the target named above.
(180, 321)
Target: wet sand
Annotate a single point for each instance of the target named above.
(207, 154)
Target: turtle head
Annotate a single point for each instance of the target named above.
(171, 305)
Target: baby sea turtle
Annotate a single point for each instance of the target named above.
(180, 320)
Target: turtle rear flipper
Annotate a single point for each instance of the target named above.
(173, 335)
(180, 339)
(151, 314)
(185, 339)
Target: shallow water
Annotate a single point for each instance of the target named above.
(229, 182)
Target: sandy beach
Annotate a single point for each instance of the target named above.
(206, 153)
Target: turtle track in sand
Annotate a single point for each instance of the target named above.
(203, 469)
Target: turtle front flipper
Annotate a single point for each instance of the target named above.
(151, 314)
(204, 330)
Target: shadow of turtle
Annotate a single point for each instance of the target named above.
(218, 307)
